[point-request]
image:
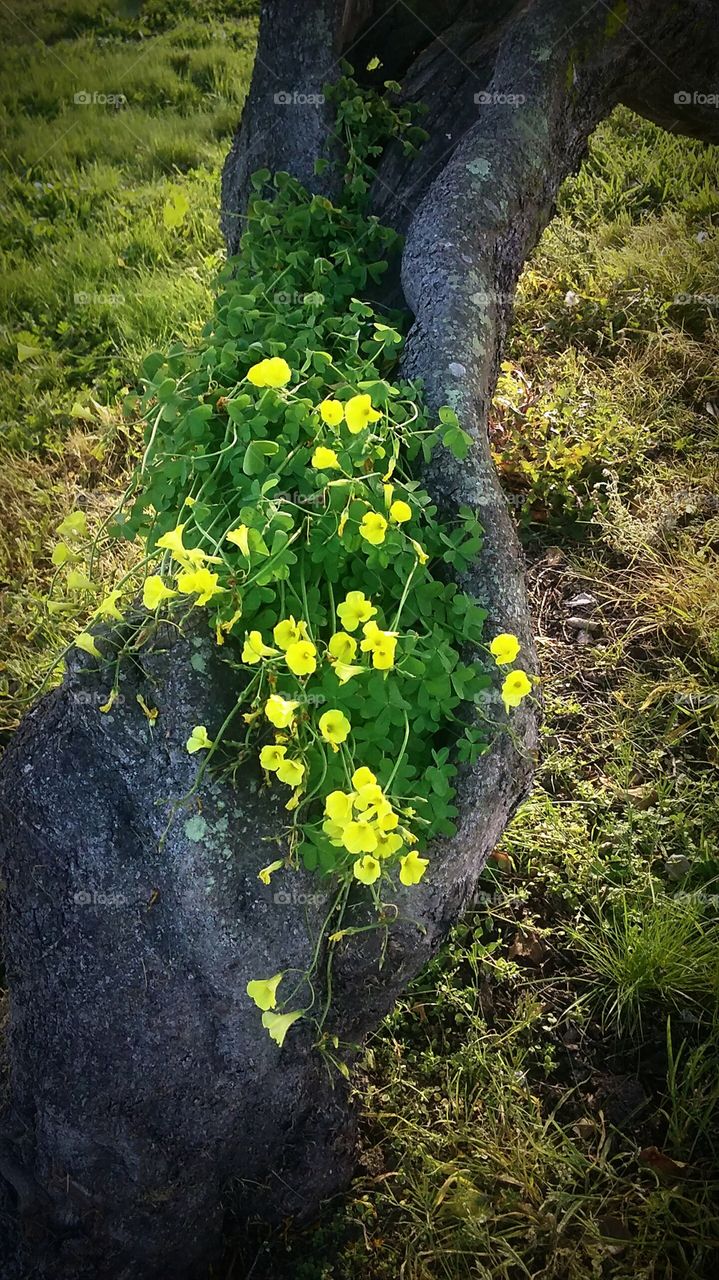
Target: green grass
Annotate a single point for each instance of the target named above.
(543, 1102)
(92, 273)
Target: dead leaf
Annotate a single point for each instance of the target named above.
(662, 1163)
(528, 946)
(502, 859)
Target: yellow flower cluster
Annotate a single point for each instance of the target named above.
(301, 655)
(263, 991)
(291, 638)
(505, 649)
(334, 729)
(194, 577)
(363, 822)
(357, 412)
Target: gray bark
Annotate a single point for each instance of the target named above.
(141, 1083)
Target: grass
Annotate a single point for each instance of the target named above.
(543, 1101)
(94, 273)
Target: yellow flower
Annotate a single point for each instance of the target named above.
(265, 875)
(195, 557)
(291, 772)
(198, 740)
(223, 629)
(387, 844)
(151, 712)
(288, 632)
(381, 644)
(264, 991)
(271, 757)
(172, 541)
(240, 537)
(274, 372)
(420, 552)
(301, 658)
(334, 727)
(332, 412)
(516, 687)
(400, 512)
(373, 528)
(359, 413)
(367, 869)
(369, 797)
(338, 807)
(358, 837)
(383, 654)
(278, 1024)
(280, 711)
(199, 582)
(342, 646)
(254, 648)
(154, 592)
(504, 648)
(363, 777)
(355, 609)
(344, 671)
(412, 868)
(325, 459)
(334, 832)
(86, 642)
(108, 607)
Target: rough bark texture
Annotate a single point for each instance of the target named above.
(141, 1084)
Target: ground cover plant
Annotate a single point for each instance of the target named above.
(544, 1102)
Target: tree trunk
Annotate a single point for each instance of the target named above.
(140, 1084)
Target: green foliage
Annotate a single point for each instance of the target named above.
(663, 951)
(283, 450)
